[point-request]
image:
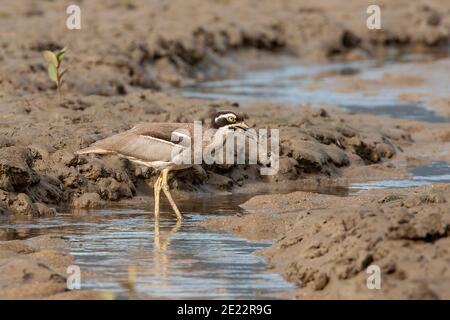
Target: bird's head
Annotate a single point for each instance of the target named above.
(228, 119)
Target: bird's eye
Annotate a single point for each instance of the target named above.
(231, 119)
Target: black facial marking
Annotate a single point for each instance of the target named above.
(224, 121)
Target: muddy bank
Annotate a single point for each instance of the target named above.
(38, 166)
(128, 52)
(325, 243)
(123, 46)
(36, 269)
(319, 147)
(117, 67)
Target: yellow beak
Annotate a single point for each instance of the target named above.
(241, 125)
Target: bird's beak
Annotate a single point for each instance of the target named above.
(241, 125)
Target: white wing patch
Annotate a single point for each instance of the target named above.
(159, 140)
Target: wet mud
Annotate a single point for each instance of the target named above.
(353, 106)
(325, 244)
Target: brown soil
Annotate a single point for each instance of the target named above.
(128, 51)
(324, 244)
(38, 165)
(123, 46)
(36, 268)
(114, 62)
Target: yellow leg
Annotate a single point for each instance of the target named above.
(165, 188)
(157, 193)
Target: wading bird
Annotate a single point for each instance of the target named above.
(152, 145)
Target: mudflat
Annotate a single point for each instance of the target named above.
(129, 64)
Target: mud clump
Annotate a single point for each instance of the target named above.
(15, 171)
(322, 143)
(326, 243)
(89, 200)
(36, 268)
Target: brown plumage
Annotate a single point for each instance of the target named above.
(152, 145)
(148, 144)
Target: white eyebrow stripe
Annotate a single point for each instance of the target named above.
(226, 115)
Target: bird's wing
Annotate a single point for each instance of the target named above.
(145, 142)
(171, 132)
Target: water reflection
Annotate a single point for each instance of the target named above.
(161, 243)
(436, 172)
(319, 84)
(170, 259)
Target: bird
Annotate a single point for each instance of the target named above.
(152, 145)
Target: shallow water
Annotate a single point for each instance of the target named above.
(436, 172)
(313, 84)
(187, 261)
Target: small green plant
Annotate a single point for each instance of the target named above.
(54, 67)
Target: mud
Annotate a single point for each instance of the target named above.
(121, 65)
(324, 244)
(116, 65)
(114, 54)
(36, 269)
(39, 165)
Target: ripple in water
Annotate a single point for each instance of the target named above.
(293, 83)
(188, 261)
(436, 172)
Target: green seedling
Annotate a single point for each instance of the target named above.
(54, 67)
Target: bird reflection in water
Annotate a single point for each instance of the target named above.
(162, 241)
(161, 257)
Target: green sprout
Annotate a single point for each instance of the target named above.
(54, 67)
